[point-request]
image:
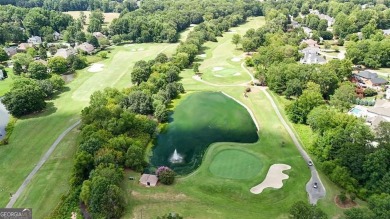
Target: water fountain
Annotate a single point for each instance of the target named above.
(176, 158)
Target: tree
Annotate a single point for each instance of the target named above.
(343, 97)
(42, 53)
(116, 39)
(165, 175)
(139, 102)
(359, 213)
(181, 60)
(140, 73)
(161, 113)
(58, 65)
(236, 39)
(103, 54)
(25, 97)
(93, 40)
(135, 158)
(170, 216)
(248, 45)
(38, 71)
(17, 68)
(293, 88)
(196, 67)
(302, 210)
(103, 42)
(96, 20)
(3, 55)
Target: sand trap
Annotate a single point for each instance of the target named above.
(96, 68)
(237, 74)
(193, 25)
(141, 49)
(217, 68)
(236, 59)
(202, 55)
(274, 178)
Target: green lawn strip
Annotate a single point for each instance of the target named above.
(52, 180)
(5, 85)
(34, 134)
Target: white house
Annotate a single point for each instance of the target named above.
(35, 40)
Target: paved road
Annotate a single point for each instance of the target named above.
(314, 193)
(39, 165)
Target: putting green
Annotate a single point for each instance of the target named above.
(235, 164)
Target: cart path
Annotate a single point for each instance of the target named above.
(39, 165)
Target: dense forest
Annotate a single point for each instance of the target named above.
(76, 5)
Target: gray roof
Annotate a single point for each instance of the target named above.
(378, 81)
(311, 56)
(375, 121)
(366, 74)
(11, 50)
(65, 53)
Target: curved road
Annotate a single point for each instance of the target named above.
(39, 165)
(314, 193)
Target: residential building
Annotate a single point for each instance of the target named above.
(312, 56)
(86, 47)
(35, 40)
(307, 31)
(65, 53)
(328, 18)
(56, 36)
(370, 79)
(311, 43)
(23, 47)
(11, 50)
(98, 35)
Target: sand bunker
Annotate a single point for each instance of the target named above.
(193, 25)
(274, 178)
(236, 59)
(237, 74)
(202, 55)
(217, 68)
(96, 68)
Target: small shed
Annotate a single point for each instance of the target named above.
(148, 180)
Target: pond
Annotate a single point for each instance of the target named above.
(4, 119)
(199, 120)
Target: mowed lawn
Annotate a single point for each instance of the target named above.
(5, 85)
(222, 64)
(34, 134)
(203, 194)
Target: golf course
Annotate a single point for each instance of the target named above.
(227, 141)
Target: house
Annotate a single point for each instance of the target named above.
(148, 180)
(311, 43)
(98, 35)
(328, 18)
(312, 56)
(386, 32)
(307, 31)
(35, 40)
(56, 36)
(86, 47)
(65, 53)
(369, 78)
(381, 108)
(23, 47)
(11, 50)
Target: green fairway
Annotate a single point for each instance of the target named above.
(34, 134)
(235, 164)
(198, 122)
(222, 64)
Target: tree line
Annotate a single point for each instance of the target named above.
(118, 125)
(76, 5)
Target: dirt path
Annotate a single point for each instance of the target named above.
(39, 165)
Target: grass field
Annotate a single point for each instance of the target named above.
(211, 191)
(223, 60)
(235, 164)
(34, 134)
(5, 85)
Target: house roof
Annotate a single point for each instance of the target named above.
(386, 32)
(378, 81)
(24, 46)
(375, 121)
(148, 178)
(310, 42)
(98, 35)
(56, 33)
(36, 39)
(366, 74)
(65, 53)
(382, 111)
(11, 50)
(312, 57)
(307, 30)
(314, 50)
(86, 47)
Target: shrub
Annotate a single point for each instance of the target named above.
(103, 54)
(248, 89)
(369, 92)
(165, 175)
(342, 197)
